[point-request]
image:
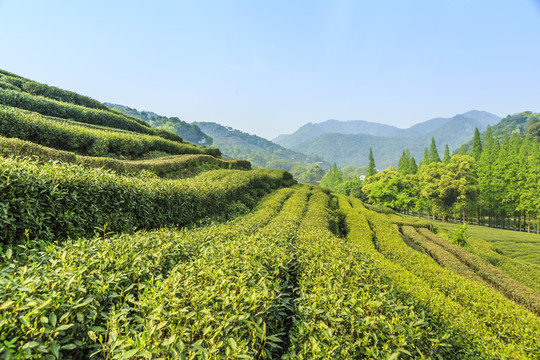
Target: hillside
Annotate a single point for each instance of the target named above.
(122, 241)
(354, 149)
(480, 119)
(387, 142)
(521, 125)
(310, 131)
(190, 132)
(259, 151)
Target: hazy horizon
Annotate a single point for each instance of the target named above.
(269, 68)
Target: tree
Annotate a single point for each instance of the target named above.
(384, 188)
(477, 145)
(413, 166)
(425, 159)
(433, 153)
(462, 171)
(403, 165)
(332, 178)
(488, 158)
(371, 167)
(430, 178)
(407, 164)
(446, 156)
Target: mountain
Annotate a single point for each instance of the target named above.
(310, 130)
(188, 131)
(259, 151)
(353, 149)
(522, 124)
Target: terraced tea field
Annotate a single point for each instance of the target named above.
(172, 254)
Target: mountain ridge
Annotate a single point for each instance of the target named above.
(353, 127)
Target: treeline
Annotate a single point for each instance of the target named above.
(496, 182)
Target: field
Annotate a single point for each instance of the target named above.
(191, 256)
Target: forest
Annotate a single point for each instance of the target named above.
(495, 182)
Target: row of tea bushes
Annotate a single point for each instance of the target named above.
(345, 308)
(229, 302)
(70, 136)
(476, 328)
(63, 301)
(440, 255)
(57, 200)
(511, 323)
(494, 277)
(81, 114)
(177, 166)
(7, 86)
(21, 84)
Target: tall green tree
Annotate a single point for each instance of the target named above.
(488, 158)
(372, 170)
(430, 182)
(462, 171)
(387, 188)
(477, 145)
(332, 178)
(403, 165)
(413, 166)
(433, 153)
(446, 156)
(425, 158)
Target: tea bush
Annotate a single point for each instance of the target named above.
(55, 200)
(70, 136)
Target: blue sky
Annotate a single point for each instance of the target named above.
(268, 67)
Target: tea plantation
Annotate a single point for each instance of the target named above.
(120, 241)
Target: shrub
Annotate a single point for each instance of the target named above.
(79, 113)
(85, 139)
(61, 200)
(460, 236)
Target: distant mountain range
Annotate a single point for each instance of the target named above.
(343, 142)
(348, 142)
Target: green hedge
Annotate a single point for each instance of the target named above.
(7, 86)
(487, 324)
(177, 166)
(345, 308)
(80, 287)
(491, 275)
(51, 92)
(82, 114)
(70, 136)
(62, 200)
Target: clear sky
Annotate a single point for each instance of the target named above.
(268, 67)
